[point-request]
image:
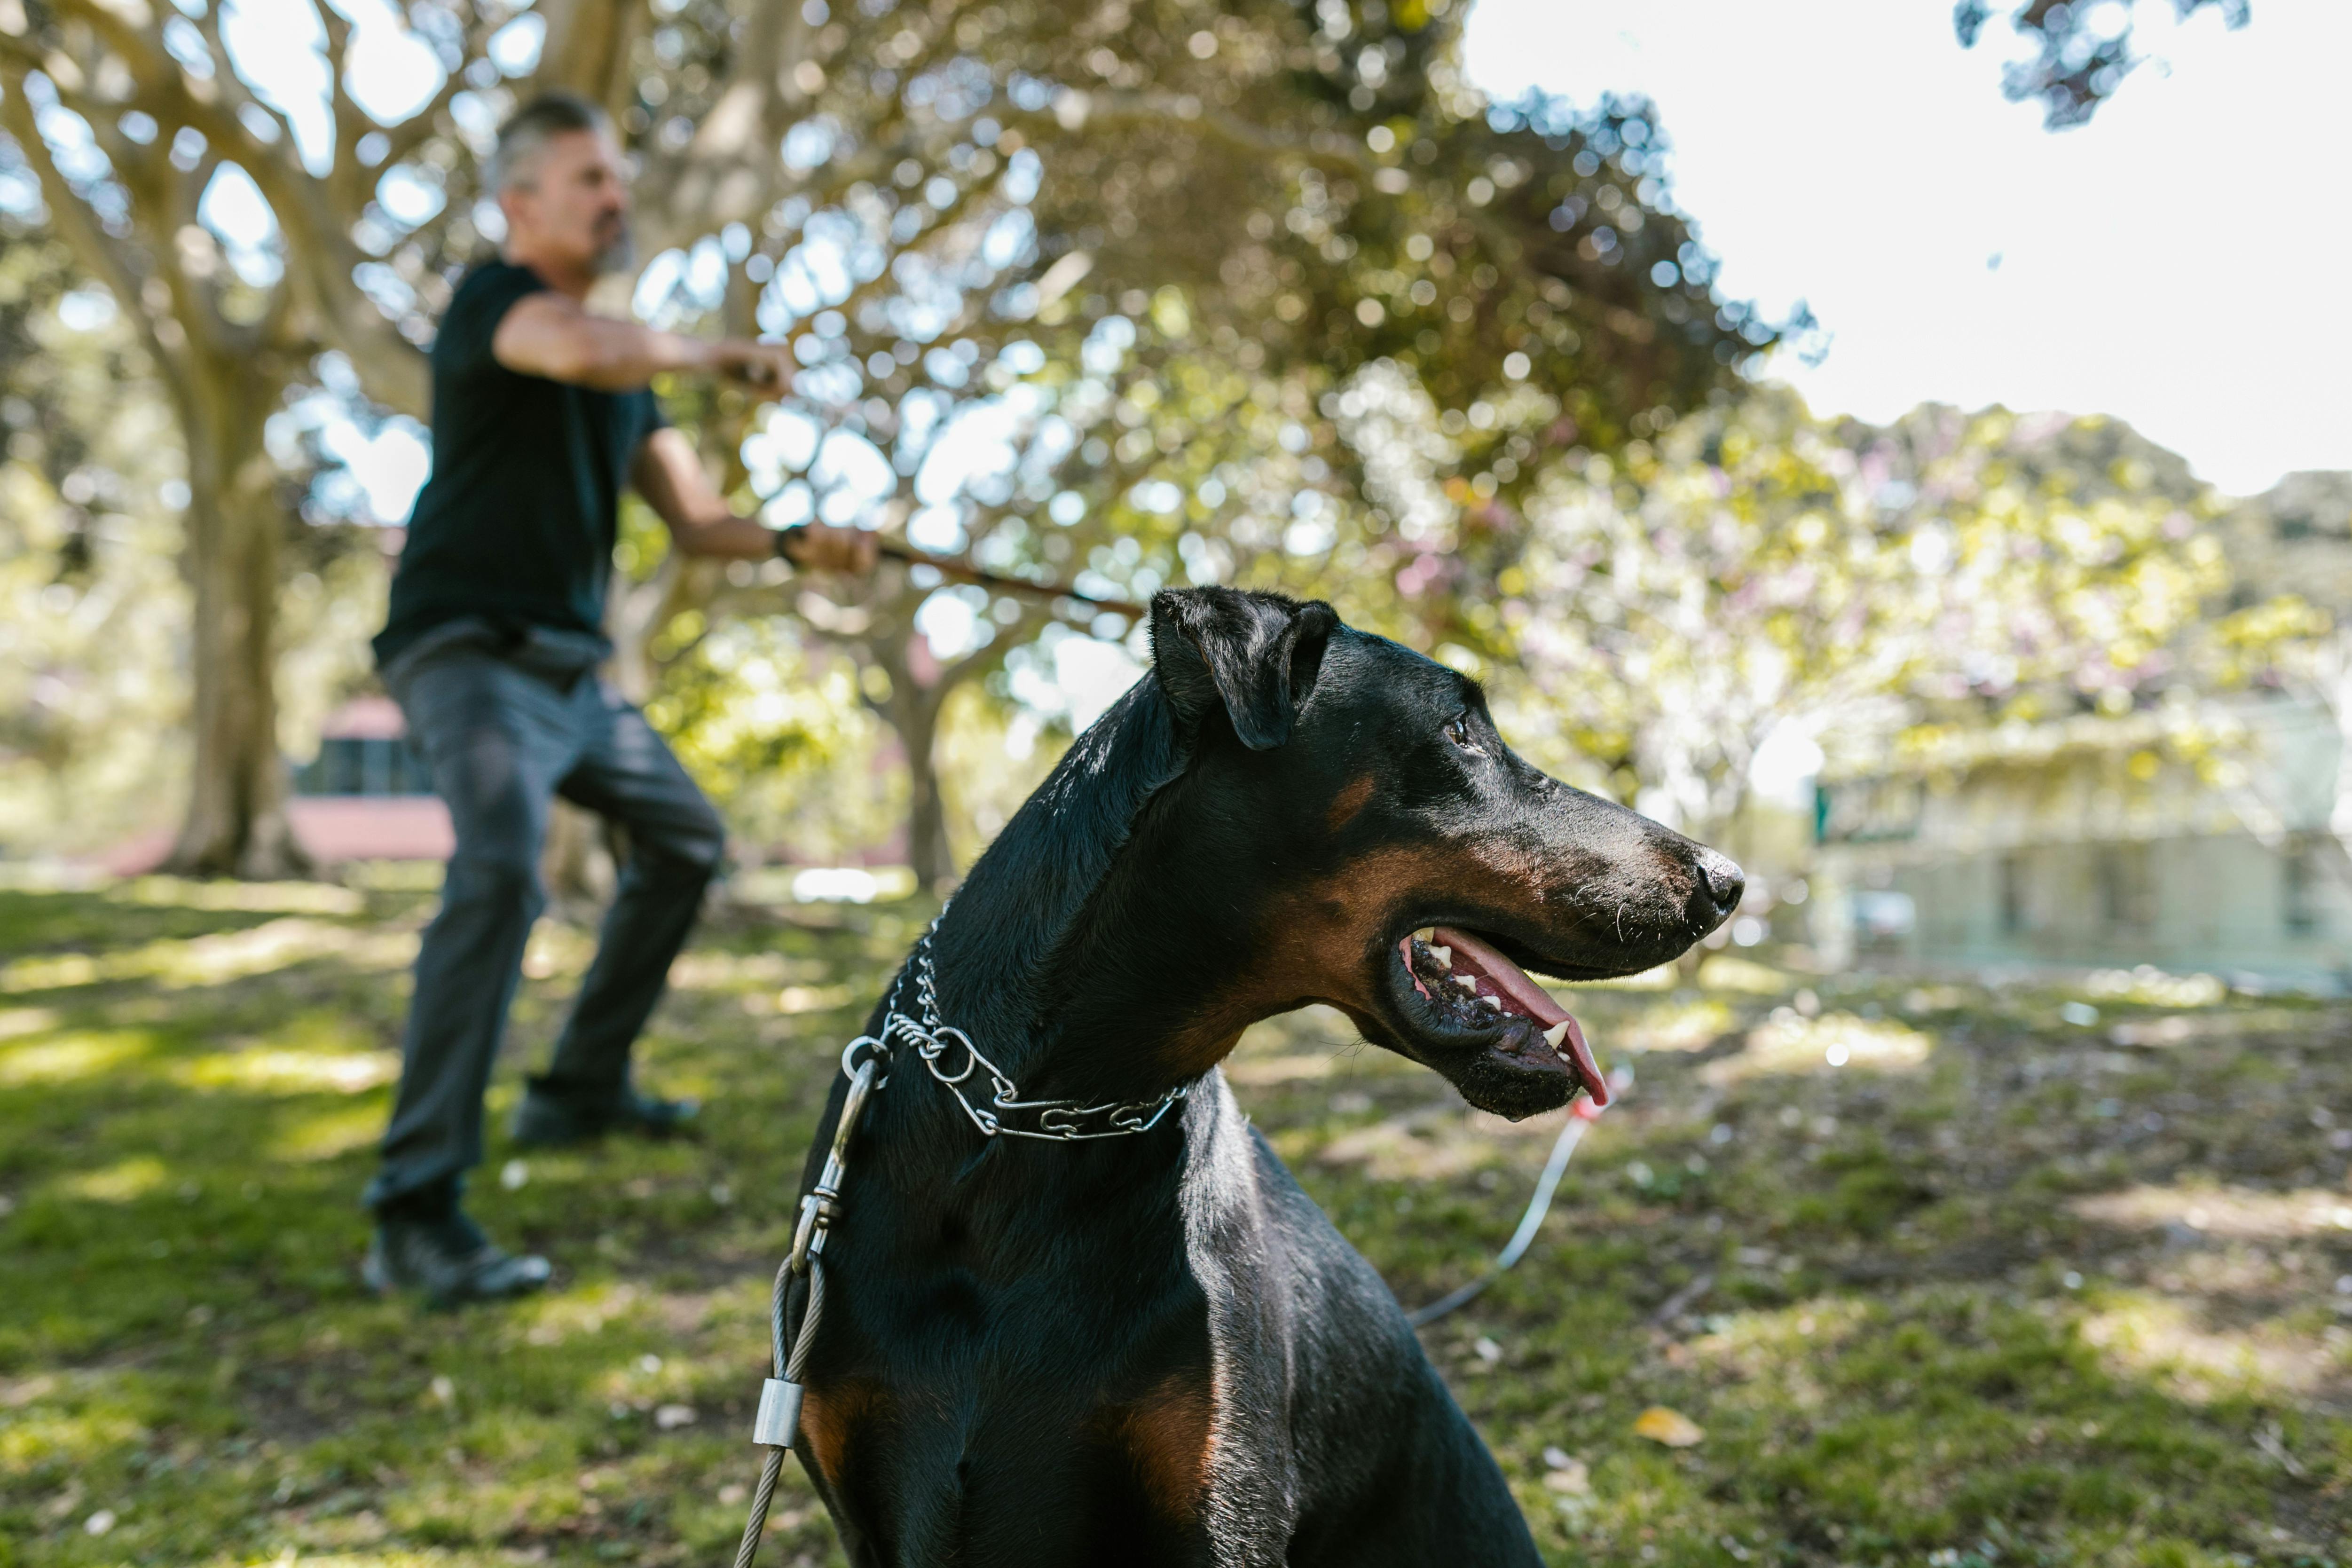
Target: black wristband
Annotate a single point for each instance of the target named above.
(783, 538)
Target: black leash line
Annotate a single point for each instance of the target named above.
(961, 571)
(762, 379)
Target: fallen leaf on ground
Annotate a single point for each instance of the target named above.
(1672, 1427)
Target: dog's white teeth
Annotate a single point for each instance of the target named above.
(1467, 982)
(1445, 956)
(1426, 935)
(1555, 1034)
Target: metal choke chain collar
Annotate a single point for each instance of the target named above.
(949, 1055)
(950, 1058)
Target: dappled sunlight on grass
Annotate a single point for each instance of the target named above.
(558, 951)
(2139, 1332)
(1432, 1142)
(2151, 986)
(555, 1319)
(215, 960)
(1727, 971)
(1791, 1043)
(794, 1000)
(2222, 1211)
(326, 1134)
(71, 1057)
(2182, 1028)
(125, 1181)
(66, 1424)
(735, 971)
(18, 1021)
(288, 1072)
(1785, 1344)
(1681, 1024)
(255, 898)
(1952, 1303)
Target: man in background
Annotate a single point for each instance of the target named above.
(541, 412)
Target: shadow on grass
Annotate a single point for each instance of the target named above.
(1940, 1301)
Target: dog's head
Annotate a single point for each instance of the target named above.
(1349, 828)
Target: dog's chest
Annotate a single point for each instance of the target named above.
(1051, 1395)
(993, 1470)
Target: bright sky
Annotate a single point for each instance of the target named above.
(2176, 263)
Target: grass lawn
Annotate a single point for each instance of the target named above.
(2008, 1283)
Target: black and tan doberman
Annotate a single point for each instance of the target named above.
(1154, 1348)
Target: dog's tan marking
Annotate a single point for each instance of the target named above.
(1349, 802)
(827, 1416)
(1167, 1434)
(1314, 938)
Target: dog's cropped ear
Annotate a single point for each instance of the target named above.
(1258, 654)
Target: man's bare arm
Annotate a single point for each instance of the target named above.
(670, 477)
(549, 334)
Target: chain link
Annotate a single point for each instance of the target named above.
(948, 1056)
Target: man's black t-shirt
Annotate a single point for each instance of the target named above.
(517, 524)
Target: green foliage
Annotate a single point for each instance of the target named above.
(1673, 605)
(92, 615)
(94, 637)
(774, 728)
(1660, 613)
(1148, 248)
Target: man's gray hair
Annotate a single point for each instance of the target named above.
(530, 129)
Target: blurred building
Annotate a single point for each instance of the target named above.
(365, 795)
(2194, 837)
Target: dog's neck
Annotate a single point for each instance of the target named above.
(1072, 956)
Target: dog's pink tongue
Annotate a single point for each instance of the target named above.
(1528, 997)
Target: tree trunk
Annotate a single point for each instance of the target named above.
(236, 824)
(928, 851)
(920, 685)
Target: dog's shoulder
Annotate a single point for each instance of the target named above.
(1310, 1354)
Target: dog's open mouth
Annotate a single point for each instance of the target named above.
(1470, 987)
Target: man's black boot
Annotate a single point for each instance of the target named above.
(448, 1259)
(550, 1118)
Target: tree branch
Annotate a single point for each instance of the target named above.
(587, 48)
(107, 258)
(225, 73)
(166, 198)
(414, 132)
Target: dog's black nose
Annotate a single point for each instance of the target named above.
(1725, 881)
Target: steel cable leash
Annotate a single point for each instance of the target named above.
(778, 1420)
(1582, 1114)
(778, 1417)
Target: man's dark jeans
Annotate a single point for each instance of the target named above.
(501, 741)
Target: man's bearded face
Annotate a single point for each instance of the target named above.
(573, 201)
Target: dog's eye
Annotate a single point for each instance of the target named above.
(1457, 730)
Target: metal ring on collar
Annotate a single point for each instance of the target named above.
(940, 1041)
(881, 1050)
